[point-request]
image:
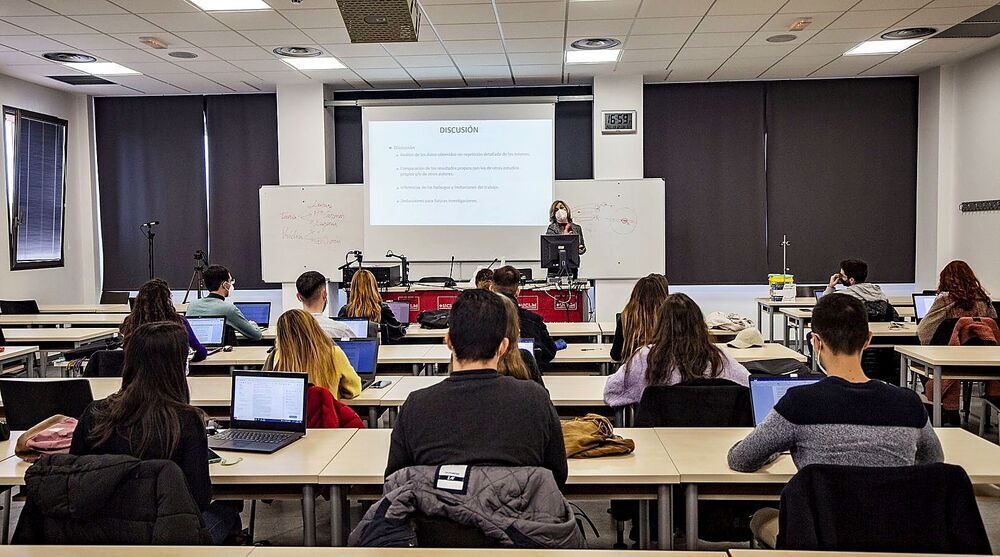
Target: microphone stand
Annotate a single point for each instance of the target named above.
(405, 264)
(149, 233)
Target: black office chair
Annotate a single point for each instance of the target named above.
(19, 307)
(108, 297)
(105, 363)
(28, 402)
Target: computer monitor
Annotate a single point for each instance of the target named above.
(922, 304)
(358, 325)
(269, 400)
(258, 312)
(208, 330)
(363, 355)
(767, 390)
(400, 310)
(560, 254)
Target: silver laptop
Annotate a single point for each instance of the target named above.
(209, 331)
(358, 326)
(268, 412)
(767, 390)
(401, 311)
(922, 304)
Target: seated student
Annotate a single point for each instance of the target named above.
(517, 362)
(153, 303)
(845, 419)
(507, 281)
(151, 418)
(221, 285)
(476, 416)
(311, 287)
(680, 350)
(484, 279)
(853, 274)
(635, 326)
(301, 345)
(365, 301)
(960, 294)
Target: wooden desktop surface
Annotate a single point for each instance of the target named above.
(387, 354)
(72, 319)
(57, 335)
(806, 313)
(16, 352)
(94, 308)
(564, 390)
(953, 355)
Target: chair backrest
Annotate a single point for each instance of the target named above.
(105, 363)
(699, 403)
(821, 505)
(19, 307)
(881, 311)
(28, 402)
(108, 297)
(942, 335)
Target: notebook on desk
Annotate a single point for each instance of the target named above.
(767, 390)
(258, 312)
(363, 355)
(209, 331)
(268, 412)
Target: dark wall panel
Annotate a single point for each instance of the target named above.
(151, 161)
(841, 172)
(706, 141)
(242, 156)
(574, 149)
(348, 145)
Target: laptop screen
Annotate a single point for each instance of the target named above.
(269, 398)
(527, 344)
(766, 391)
(258, 312)
(922, 304)
(208, 330)
(818, 294)
(401, 310)
(361, 352)
(358, 325)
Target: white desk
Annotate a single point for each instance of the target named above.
(770, 307)
(948, 362)
(57, 339)
(94, 308)
(416, 355)
(63, 320)
(20, 353)
(799, 319)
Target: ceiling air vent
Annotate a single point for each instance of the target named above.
(81, 79)
(381, 21)
(982, 25)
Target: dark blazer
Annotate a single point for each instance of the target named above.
(619, 343)
(391, 330)
(533, 326)
(556, 228)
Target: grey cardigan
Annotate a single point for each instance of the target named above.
(556, 228)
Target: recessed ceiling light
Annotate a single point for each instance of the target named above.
(103, 68)
(230, 5)
(781, 38)
(909, 33)
(595, 44)
(74, 57)
(297, 51)
(882, 47)
(317, 63)
(592, 56)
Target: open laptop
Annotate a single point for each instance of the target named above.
(258, 312)
(922, 304)
(209, 330)
(268, 412)
(401, 310)
(358, 325)
(527, 344)
(363, 355)
(767, 390)
(818, 294)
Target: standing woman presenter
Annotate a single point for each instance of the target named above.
(561, 222)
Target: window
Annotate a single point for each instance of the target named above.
(35, 165)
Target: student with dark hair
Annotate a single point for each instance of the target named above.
(635, 326)
(845, 419)
(151, 417)
(311, 291)
(153, 303)
(490, 419)
(680, 350)
(517, 362)
(221, 285)
(484, 279)
(507, 281)
(853, 276)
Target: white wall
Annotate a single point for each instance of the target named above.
(960, 110)
(77, 281)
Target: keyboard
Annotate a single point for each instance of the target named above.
(252, 436)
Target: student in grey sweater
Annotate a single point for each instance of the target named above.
(221, 285)
(845, 419)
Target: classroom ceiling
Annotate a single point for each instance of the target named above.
(473, 42)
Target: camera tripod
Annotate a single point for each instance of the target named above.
(197, 277)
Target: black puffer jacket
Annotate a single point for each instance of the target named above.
(108, 500)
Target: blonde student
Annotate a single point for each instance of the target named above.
(301, 345)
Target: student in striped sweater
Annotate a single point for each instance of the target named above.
(845, 419)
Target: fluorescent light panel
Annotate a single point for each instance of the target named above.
(103, 68)
(315, 63)
(230, 5)
(882, 47)
(592, 56)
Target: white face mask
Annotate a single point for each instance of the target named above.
(561, 215)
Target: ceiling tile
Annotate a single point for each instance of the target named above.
(429, 61)
(538, 70)
(663, 56)
(11, 29)
(89, 41)
(241, 52)
(49, 24)
(438, 72)
(256, 66)
(830, 50)
(149, 85)
(867, 5)
(939, 16)
(675, 8)
(19, 58)
(614, 28)
(413, 49)
(533, 30)
(285, 5)
(551, 44)
(959, 3)
(719, 39)
(81, 7)
(656, 69)
(745, 7)
(370, 62)
(134, 39)
(742, 68)
(780, 23)
(329, 35)
(460, 13)
(665, 25)
(356, 50)
(278, 37)
(775, 51)
(165, 53)
(473, 47)
(692, 70)
(712, 53)
(480, 59)
(468, 32)
(206, 39)
(485, 72)
(313, 19)
(31, 42)
(760, 38)
(656, 41)
(186, 22)
(22, 7)
(383, 74)
(124, 55)
(155, 68)
(282, 77)
(845, 35)
(795, 67)
(193, 82)
(603, 10)
(206, 67)
(263, 19)
(156, 6)
(861, 20)
(500, 81)
(535, 58)
(937, 45)
(848, 66)
(730, 23)
(533, 11)
(808, 6)
(118, 23)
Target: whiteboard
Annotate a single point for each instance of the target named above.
(309, 228)
(624, 225)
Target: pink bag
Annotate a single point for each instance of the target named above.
(52, 436)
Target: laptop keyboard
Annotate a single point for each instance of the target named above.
(252, 436)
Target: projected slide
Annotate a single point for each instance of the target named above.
(460, 173)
